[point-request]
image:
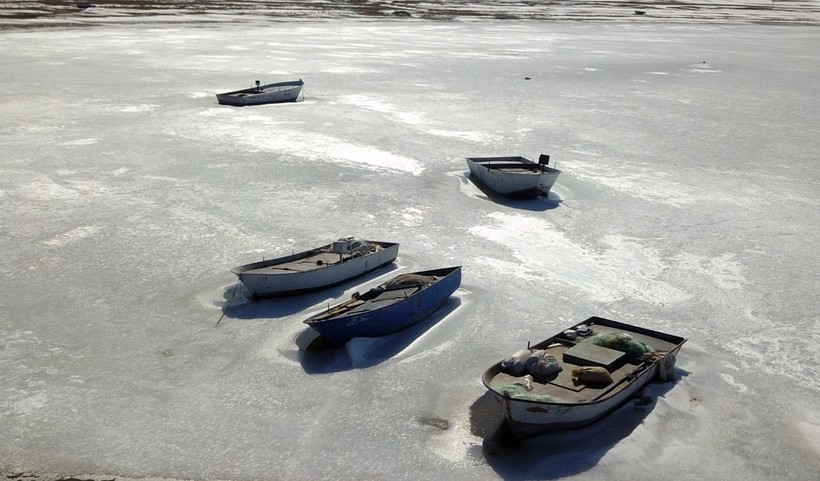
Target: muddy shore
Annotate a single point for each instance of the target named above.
(67, 13)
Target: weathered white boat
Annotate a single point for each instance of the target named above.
(577, 377)
(315, 269)
(263, 94)
(514, 176)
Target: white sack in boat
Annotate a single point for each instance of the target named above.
(537, 363)
(542, 363)
(517, 363)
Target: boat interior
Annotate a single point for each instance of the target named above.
(510, 167)
(310, 260)
(260, 89)
(511, 164)
(314, 260)
(375, 298)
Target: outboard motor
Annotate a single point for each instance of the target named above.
(544, 159)
(257, 85)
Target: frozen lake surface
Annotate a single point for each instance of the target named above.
(687, 204)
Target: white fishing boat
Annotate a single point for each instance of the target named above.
(263, 94)
(514, 176)
(315, 269)
(577, 377)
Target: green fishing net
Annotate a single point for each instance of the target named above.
(620, 341)
(518, 391)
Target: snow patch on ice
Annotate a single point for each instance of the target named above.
(645, 183)
(723, 270)
(505, 268)
(43, 188)
(138, 108)
(74, 235)
(619, 267)
(375, 105)
(376, 158)
(368, 103)
(347, 70)
(353, 154)
(363, 351)
(470, 136)
(809, 428)
(89, 141)
(780, 347)
(412, 216)
(704, 70)
(30, 404)
(738, 386)
(412, 353)
(295, 144)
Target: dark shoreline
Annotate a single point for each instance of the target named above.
(67, 13)
(27, 476)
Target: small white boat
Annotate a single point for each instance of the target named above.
(315, 269)
(263, 94)
(577, 377)
(514, 176)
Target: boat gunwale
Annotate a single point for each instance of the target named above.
(532, 168)
(245, 268)
(261, 89)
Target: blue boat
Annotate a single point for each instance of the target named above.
(396, 304)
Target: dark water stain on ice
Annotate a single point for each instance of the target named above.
(439, 423)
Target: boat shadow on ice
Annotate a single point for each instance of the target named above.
(560, 454)
(319, 356)
(536, 204)
(239, 306)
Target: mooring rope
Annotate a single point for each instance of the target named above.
(666, 364)
(227, 304)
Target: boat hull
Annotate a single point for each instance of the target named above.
(527, 419)
(393, 317)
(263, 279)
(523, 418)
(513, 176)
(265, 94)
